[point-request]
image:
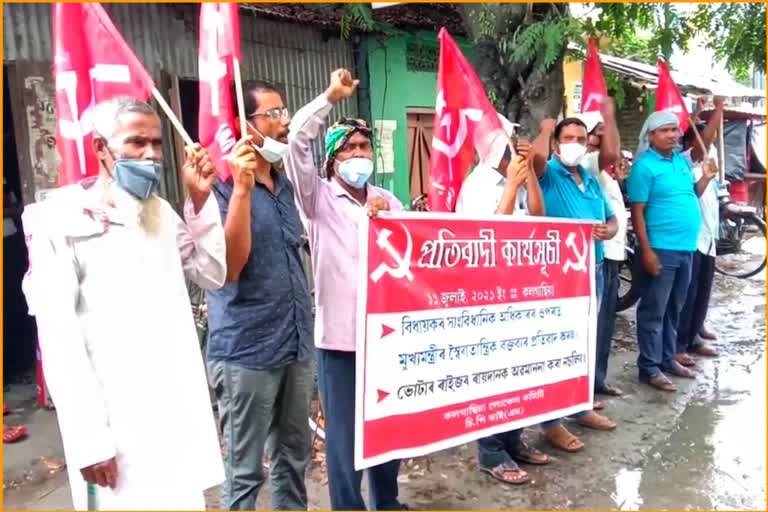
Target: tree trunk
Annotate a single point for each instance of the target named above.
(526, 93)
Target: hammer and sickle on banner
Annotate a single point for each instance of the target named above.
(403, 262)
(580, 263)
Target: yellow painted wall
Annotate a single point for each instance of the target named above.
(573, 73)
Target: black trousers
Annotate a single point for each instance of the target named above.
(697, 303)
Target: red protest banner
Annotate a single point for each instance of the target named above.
(219, 45)
(468, 328)
(92, 63)
(465, 120)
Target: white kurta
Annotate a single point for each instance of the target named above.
(119, 346)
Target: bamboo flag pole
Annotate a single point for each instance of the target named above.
(704, 150)
(239, 92)
(721, 137)
(172, 117)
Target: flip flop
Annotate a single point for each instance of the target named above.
(13, 433)
(501, 470)
(609, 390)
(661, 382)
(529, 455)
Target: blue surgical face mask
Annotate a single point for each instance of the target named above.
(356, 171)
(137, 177)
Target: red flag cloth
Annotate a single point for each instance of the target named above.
(594, 88)
(92, 63)
(465, 120)
(668, 96)
(219, 44)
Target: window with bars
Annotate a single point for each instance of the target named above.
(421, 57)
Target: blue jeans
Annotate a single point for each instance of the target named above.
(661, 299)
(336, 372)
(606, 320)
(599, 286)
(497, 449)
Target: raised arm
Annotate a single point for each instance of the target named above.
(610, 145)
(708, 134)
(305, 127)
(541, 146)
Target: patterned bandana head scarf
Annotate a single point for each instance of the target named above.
(338, 135)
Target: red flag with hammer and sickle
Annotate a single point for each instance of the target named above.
(465, 121)
(219, 44)
(92, 63)
(668, 96)
(594, 88)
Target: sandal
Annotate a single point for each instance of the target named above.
(529, 455)
(685, 359)
(595, 421)
(609, 390)
(661, 382)
(502, 472)
(598, 405)
(705, 350)
(13, 433)
(560, 438)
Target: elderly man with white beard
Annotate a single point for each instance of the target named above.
(120, 351)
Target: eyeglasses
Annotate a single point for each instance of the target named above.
(274, 113)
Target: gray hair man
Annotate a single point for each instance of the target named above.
(108, 261)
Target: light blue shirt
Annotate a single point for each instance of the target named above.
(667, 187)
(564, 198)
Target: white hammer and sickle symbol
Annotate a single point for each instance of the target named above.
(580, 265)
(403, 268)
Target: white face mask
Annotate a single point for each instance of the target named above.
(356, 171)
(571, 154)
(271, 149)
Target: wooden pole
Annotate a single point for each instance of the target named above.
(240, 103)
(721, 138)
(171, 116)
(704, 150)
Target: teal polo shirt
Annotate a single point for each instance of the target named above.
(667, 187)
(563, 197)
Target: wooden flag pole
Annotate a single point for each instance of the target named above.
(239, 92)
(704, 150)
(172, 117)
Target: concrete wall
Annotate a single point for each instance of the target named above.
(393, 90)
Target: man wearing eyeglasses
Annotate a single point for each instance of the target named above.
(260, 342)
(331, 208)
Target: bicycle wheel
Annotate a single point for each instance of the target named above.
(628, 289)
(747, 257)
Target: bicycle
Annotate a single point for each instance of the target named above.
(741, 239)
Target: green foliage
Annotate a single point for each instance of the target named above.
(615, 85)
(736, 33)
(357, 16)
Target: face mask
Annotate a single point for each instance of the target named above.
(572, 153)
(272, 150)
(137, 177)
(356, 171)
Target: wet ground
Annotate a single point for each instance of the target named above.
(701, 448)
